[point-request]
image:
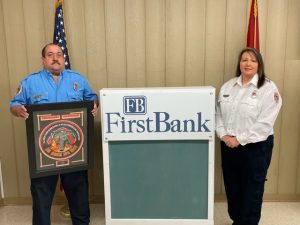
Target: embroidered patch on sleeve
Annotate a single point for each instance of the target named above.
(19, 89)
(276, 97)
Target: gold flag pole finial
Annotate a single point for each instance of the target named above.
(58, 2)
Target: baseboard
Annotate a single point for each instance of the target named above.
(282, 197)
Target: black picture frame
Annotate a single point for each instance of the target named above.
(60, 137)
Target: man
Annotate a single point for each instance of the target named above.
(55, 84)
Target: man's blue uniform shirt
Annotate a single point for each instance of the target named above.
(41, 87)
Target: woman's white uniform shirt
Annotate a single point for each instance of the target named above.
(246, 112)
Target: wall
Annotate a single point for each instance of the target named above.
(147, 43)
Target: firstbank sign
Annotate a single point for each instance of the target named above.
(134, 105)
(163, 114)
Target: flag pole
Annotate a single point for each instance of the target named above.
(59, 37)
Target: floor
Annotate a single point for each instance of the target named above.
(274, 213)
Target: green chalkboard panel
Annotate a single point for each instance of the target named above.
(159, 179)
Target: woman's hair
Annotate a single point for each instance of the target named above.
(260, 68)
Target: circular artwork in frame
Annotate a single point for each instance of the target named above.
(59, 137)
(61, 140)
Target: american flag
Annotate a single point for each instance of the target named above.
(59, 32)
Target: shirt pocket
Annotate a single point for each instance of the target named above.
(75, 96)
(249, 107)
(225, 103)
(39, 97)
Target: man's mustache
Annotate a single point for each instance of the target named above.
(55, 61)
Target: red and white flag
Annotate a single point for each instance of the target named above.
(253, 29)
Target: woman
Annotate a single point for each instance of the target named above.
(246, 112)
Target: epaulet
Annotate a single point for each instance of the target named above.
(268, 80)
(19, 89)
(72, 71)
(32, 74)
(232, 80)
(272, 84)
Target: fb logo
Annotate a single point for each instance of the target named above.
(135, 105)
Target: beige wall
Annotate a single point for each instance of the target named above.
(143, 43)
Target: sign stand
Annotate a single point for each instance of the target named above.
(158, 155)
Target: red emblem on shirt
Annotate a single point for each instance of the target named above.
(254, 94)
(276, 97)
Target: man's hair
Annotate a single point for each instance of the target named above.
(260, 69)
(44, 49)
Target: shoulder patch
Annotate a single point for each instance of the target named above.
(276, 97)
(19, 89)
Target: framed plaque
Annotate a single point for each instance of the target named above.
(59, 137)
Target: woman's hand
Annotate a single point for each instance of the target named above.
(230, 141)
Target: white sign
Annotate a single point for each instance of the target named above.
(158, 113)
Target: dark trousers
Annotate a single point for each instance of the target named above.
(244, 171)
(76, 189)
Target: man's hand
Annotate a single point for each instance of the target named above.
(95, 109)
(19, 111)
(230, 141)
